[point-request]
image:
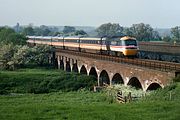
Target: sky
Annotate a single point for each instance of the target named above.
(157, 13)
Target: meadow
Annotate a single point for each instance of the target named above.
(35, 94)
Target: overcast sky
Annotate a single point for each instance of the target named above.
(157, 13)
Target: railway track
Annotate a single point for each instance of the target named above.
(152, 64)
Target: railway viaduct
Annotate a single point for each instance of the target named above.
(108, 72)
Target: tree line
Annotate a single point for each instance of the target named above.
(141, 31)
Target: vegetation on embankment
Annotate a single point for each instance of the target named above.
(19, 103)
(42, 81)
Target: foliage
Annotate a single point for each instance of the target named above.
(40, 54)
(14, 56)
(7, 54)
(167, 39)
(176, 33)
(42, 81)
(80, 32)
(28, 31)
(8, 35)
(68, 29)
(109, 30)
(143, 32)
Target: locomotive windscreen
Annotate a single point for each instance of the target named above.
(130, 42)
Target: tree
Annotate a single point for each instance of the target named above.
(28, 31)
(143, 32)
(176, 33)
(6, 56)
(8, 35)
(80, 32)
(166, 39)
(68, 29)
(40, 54)
(109, 30)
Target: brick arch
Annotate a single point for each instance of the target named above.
(83, 70)
(117, 79)
(93, 72)
(61, 64)
(135, 82)
(104, 78)
(75, 67)
(68, 67)
(154, 86)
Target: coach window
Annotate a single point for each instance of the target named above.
(113, 42)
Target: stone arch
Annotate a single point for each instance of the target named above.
(61, 64)
(154, 86)
(75, 68)
(68, 67)
(104, 78)
(134, 82)
(117, 79)
(83, 70)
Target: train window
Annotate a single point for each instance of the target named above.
(60, 40)
(113, 43)
(119, 43)
(130, 42)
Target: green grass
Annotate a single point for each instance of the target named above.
(42, 81)
(81, 104)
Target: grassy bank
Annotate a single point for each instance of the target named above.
(19, 103)
(42, 81)
(83, 106)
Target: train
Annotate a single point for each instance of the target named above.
(124, 46)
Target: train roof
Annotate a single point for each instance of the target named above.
(127, 38)
(83, 38)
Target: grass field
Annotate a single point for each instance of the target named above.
(79, 104)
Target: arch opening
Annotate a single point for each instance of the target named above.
(134, 82)
(154, 86)
(83, 70)
(104, 78)
(117, 79)
(93, 73)
(75, 68)
(61, 64)
(68, 67)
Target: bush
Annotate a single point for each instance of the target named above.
(43, 81)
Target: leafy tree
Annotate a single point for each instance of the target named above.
(8, 35)
(40, 54)
(80, 32)
(143, 32)
(44, 30)
(68, 29)
(176, 33)
(6, 56)
(109, 30)
(167, 39)
(28, 31)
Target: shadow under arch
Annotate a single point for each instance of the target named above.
(117, 79)
(83, 70)
(75, 68)
(134, 82)
(104, 78)
(93, 72)
(154, 86)
(61, 64)
(68, 67)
